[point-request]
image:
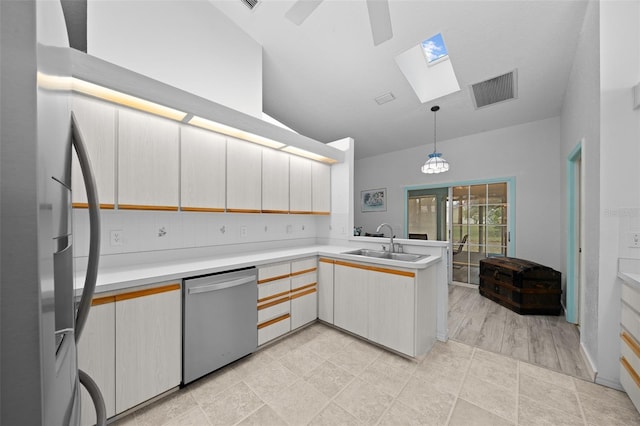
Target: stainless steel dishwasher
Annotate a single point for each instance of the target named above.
(219, 321)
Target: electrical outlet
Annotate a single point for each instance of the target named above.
(243, 231)
(634, 239)
(115, 238)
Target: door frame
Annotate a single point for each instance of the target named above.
(573, 233)
(511, 211)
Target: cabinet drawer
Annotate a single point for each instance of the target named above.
(273, 289)
(302, 265)
(273, 329)
(630, 350)
(273, 272)
(303, 280)
(631, 321)
(630, 384)
(631, 296)
(273, 309)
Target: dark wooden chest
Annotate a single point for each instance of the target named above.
(523, 286)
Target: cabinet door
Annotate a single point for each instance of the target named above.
(304, 308)
(148, 344)
(275, 181)
(97, 123)
(325, 290)
(97, 356)
(202, 170)
(350, 309)
(320, 188)
(148, 162)
(304, 293)
(299, 185)
(391, 310)
(244, 176)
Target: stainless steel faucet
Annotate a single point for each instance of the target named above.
(391, 235)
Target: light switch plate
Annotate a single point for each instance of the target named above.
(634, 239)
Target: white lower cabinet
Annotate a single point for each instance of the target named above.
(325, 289)
(131, 346)
(287, 297)
(391, 310)
(380, 304)
(148, 344)
(630, 342)
(351, 294)
(96, 357)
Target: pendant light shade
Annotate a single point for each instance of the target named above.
(435, 163)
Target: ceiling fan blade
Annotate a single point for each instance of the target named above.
(380, 21)
(301, 10)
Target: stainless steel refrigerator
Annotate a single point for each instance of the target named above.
(39, 315)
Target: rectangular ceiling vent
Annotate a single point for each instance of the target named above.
(498, 89)
(250, 3)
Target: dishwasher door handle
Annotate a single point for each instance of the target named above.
(220, 286)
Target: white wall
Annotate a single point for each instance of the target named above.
(187, 44)
(580, 120)
(619, 171)
(529, 152)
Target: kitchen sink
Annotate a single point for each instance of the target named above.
(381, 254)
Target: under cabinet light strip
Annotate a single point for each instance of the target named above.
(308, 154)
(232, 131)
(52, 82)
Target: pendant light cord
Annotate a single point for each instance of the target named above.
(435, 109)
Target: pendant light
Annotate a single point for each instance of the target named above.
(435, 163)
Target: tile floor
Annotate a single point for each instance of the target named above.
(321, 376)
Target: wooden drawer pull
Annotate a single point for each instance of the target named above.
(273, 296)
(306, 271)
(273, 303)
(630, 341)
(303, 293)
(147, 292)
(303, 287)
(630, 370)
(273, 321)
(268, 280)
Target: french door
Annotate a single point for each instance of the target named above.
(473, 217)
(479, 227)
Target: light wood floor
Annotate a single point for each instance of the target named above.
(548, 341)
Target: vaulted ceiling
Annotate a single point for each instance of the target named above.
(321, 78)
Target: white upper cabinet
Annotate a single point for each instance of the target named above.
(203, 170)
(244, 176)
(97, 124)
(299, 185)
(275, 181)
(320, 188)
(148, 153)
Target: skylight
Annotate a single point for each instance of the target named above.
(434, 48)
(428, 68)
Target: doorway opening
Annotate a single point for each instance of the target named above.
(574, 234)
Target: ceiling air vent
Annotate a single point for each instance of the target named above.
(250, 3)
(497, 89)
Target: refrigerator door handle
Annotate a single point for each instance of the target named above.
(94, 227)
(92, 265)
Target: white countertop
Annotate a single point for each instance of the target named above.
(629, 271)
(118, 278)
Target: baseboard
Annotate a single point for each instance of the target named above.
(593, 372)
(609, 383)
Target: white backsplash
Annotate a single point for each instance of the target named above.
(629, 224)
(153, 231)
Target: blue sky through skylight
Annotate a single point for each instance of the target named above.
(434, 48)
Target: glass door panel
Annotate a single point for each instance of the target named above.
(479, 228)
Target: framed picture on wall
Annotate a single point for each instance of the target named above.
(373, 200)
